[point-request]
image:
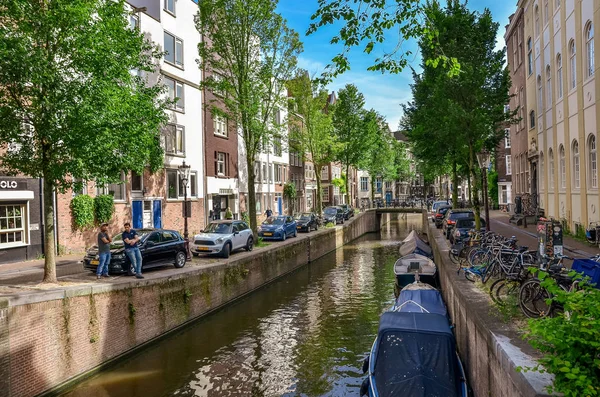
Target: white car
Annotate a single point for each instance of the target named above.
(223, 237)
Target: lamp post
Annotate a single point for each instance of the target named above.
(483, 159)
(184, 175)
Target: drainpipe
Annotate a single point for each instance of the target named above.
(42, 224)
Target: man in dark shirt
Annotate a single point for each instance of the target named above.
(103, 251)
(131, 239)
(268, 213)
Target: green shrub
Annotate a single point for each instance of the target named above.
(330, 225)
(570, 341)
(104, 208)
(82, 210)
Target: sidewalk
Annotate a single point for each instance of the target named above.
(499, 222)
(33, 271)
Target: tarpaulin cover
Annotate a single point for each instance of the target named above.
(413, 244)
(415, 356)
(415, 301)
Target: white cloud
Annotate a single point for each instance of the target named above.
(313, 67)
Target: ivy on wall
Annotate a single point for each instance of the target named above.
(82, 210)
(104, 208)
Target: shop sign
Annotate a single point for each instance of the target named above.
(225, 192)
(12, 184)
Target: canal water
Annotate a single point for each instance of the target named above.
(303, 335)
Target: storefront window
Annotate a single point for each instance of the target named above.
(12, 224)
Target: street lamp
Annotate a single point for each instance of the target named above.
(483, 158)
(184, 176)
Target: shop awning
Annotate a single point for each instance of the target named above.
(13, 195)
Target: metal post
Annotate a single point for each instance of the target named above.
(485, 198)
(186, 236)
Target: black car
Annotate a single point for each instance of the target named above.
(306, 222)
(451, 217)
(462, 227)
(158, 247)
(438, 218)
(334, 215)
(348, 211)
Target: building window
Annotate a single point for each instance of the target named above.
(563, 167)
(175, 140)
(172, 184)
(504, 194)
(173, 50)
(537, 20)
(551, 169)
(364, 184)
(325, 173)
(12, 225)
(593, 163)
(546, 12)
(257, 176)
(573, 65)
(542, 171)
(277, 146)
(117, 190)
(170, 6)
(540, 95)
(520, 50)
(176, 94)
(193, 184)
(548, 87)
(265, 173)
(589, 49)
(134, 21)
(507, 138)
(529, 57)
(278, 172)
(326, 194)
(576, 164)
(276, 117)
(137, 183)
(559, 78)
(220, 126)
(220, 163)
(532, 119)
(378, 184)
(508, 165)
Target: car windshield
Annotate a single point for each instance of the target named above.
(219, 228)
(330, 211)
(118, 238)
(458, 215)
(443, 210)
(303, 217)
(468, 223)
(274, 220)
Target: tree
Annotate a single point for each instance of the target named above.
(348, 122)
(71, 108)
(456, 117)
(313, 136)
(249, 46)
(365, 24)
(380, 155)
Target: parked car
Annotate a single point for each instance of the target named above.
(334, 215)
(435, 206)
(462, 227)
(159, 247)
(223, 237)
(439, 215)
(306, 222)
(348, 211)
(278, 228)
(451, 217)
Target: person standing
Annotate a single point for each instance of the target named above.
(103, 251)
(131, 239)
(268, 213)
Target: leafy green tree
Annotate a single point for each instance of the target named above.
(365, 24)
(349, 122)
(252, 50)
(71, 108)
(312, 136)
(458, 116)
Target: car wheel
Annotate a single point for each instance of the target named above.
(180, 259)
(226, 250)
(284, 236)
(250, 244)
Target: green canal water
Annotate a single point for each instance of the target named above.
(303, 335)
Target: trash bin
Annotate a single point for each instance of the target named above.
(589, 268)
(518, 205)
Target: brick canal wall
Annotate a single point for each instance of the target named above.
(51, 337)
(491, 350)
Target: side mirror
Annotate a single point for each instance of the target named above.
(365, 366)
(150, 243)
(235, 232)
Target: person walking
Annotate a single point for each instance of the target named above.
(103, 251)
(131, 239)
(268, 213)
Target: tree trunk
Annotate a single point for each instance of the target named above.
(49, 236)
(475, 190)
(470, 198)
(454, 184)
(251, 194)
(372, 190)
(348, 199)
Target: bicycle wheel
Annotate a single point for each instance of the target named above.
(505, 290)
(471, 276)
(489, 271)
(532, 299)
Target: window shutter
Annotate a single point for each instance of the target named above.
(216, 165)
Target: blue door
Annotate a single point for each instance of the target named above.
(279, 206)
(388, 197)
(136, 214)
(157, 214)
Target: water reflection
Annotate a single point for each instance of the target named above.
(305, 335)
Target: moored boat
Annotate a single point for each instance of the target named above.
(414, 267)
(413, 244)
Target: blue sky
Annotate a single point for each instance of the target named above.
(383, 92)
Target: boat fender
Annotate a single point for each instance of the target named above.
(365, 366)
(364, 388)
